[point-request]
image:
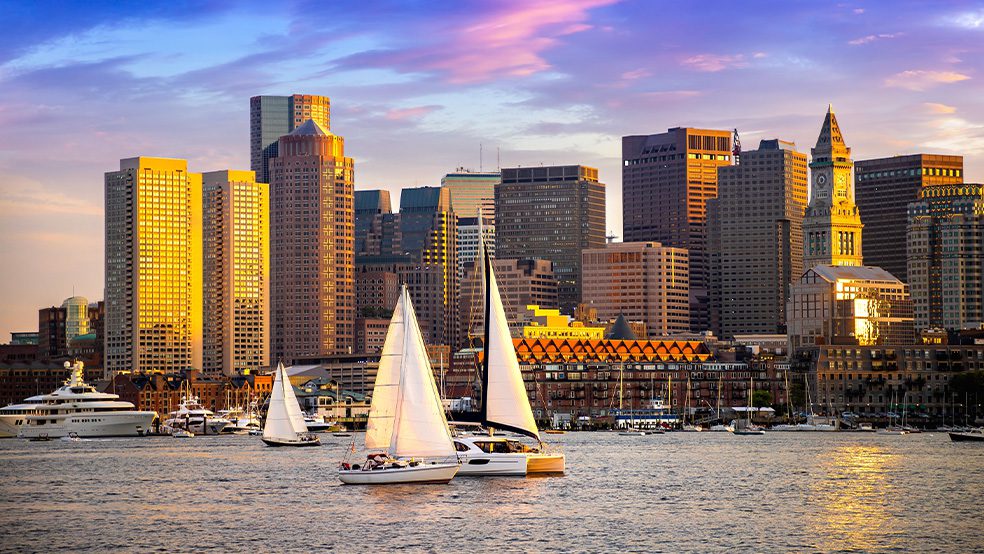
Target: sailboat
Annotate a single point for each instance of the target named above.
(721, 427)
(407, 434)
(505, 404)
(691, 427)
(284, 424)
(812, 424)
(748, 428)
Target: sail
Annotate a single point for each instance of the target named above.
(382, 410)
(420, 428)
(284, 419)
(505, 404)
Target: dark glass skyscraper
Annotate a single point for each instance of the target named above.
(271, 117)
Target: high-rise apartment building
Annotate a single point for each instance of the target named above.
(643, 281)
(884, 189)
(551, 213)
(667, 180)
(153, 268)
(312, 245)
(832, 224)
(755, 228)
(271, 117)
(946, 256)
(236, 232)
(471, 190)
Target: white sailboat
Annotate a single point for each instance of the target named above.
(284, 421)
(505, 404)
(407, 427)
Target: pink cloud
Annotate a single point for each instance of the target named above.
(921, 80)
(715, 62)
(636, 74)
(934, 107)
(416, 112)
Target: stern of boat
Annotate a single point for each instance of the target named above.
(545, 463)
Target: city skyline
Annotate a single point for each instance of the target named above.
(93, 85)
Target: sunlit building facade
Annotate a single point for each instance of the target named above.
(271, 117)
(468, 240)
(521, 283)
(946, 256)
(849, 305)
(153, 274)
(236, 234)
(471, 190)
(312, 245)
(76, 317)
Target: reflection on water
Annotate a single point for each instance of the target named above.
(705, 492)
(853, 498)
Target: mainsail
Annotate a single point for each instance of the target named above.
(284, 419)
(406, 416)
(505, 404)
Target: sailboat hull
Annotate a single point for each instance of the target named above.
(291, 442)
(545, 463)
(436, 474)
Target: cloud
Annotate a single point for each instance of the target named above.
(921, 80)
(966, 20)
(872, 38)
(933, 107)
(20, 196)
(636, 74)
(400, 114)
(715, 62)
(957, 135)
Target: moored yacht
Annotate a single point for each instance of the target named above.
(78, 408)
(192, 416)
(13, 416)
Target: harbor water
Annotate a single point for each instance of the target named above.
(706, 492)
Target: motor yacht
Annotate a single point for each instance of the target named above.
(192, 416)
(241, 421)
(485, 455)
(13, 416)
(78, 408)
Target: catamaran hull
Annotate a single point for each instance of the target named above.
(544, 464)
(288, 442)
(493, 465)
(420, 475)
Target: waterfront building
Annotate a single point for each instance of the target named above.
(52, 342)
(667, 179)
(946, 256)
(471, 191)
(312, 245)
(884, 188)
(163, 392)
(544, 323)
(641, 281)
(551, 213)
(832, 224)
(353, 372)
(153, 271)
(376, 292)
(236, 231)
(370, 334)
(873, 380)
(522, 283)
(24, 337)
(849, 305)
(325, 399)
(23, 378)
(468, 240)
(271, 117)
(369, 205)
(755, 237)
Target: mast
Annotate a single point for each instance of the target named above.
(720, 378)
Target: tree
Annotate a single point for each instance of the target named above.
(761, 398)
(969, 382)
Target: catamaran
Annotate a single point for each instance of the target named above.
(407, 435)
(505, 404)
(284, 422)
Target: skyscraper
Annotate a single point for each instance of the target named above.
(471, 190)
(311, 243)
(666, 181)
(551, 213)
(832, 225)
(468, 240)
(756, 239)
(946, 256)
(884, 189)
(153, 266)
(271, 117)
(368, 205)
(236, 232)
(644, 281)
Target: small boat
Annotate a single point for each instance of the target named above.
(72, 437)
(722, 428)
(341, 434)
(749, 431)
(893, 431)
(284, 421)
(974, 435)
(554, 431)
(632, 433)
(407, 433)
(255, 432)
(180, 433)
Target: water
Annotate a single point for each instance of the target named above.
(674, 492)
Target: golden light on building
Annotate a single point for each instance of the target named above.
(153, 266)
(551, 324)
(237, 272)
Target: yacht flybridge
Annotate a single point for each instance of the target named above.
(77, 408)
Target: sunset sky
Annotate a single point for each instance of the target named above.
(416, 87)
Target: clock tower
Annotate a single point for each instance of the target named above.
(832, 224)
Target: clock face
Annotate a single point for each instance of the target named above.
(821, 179)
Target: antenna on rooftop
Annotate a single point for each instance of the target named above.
(498, 160)
(736, 149)
(480, 156)
(610, 237)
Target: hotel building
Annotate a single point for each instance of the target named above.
(236, 230)
(153, 267)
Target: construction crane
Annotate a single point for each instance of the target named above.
(736, 148)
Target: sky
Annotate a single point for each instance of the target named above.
(419, 88)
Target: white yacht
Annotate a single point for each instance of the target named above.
(192, 416)
(491, 456)
(78, 408)
(242, 421)
(13, 416)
